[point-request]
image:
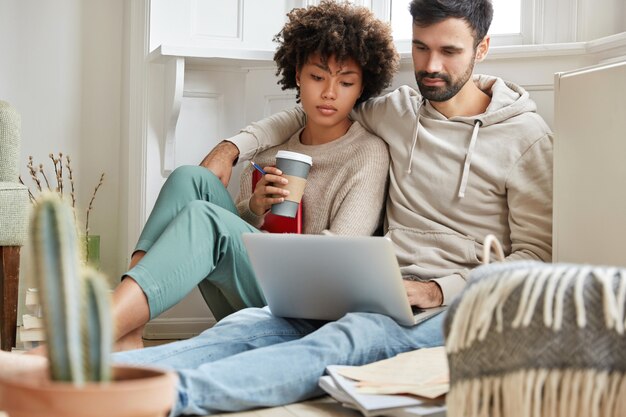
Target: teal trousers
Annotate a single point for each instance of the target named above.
(193, 237)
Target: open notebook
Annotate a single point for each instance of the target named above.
(325, 277)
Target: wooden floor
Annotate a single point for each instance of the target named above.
(322, 407)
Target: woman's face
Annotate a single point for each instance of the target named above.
(329, 91)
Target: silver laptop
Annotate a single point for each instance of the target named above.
(325, 277)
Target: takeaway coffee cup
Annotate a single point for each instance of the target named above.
(295, 167)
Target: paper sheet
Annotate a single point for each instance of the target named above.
(426, 391)
(421, 372)
(395, 405)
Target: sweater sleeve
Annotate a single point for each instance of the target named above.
(372, 114)
(360, 206)
(377, 113)
(452, 285)
(243, 199)
(269, 132)
(529, 194)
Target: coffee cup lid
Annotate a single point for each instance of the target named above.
(295, 156)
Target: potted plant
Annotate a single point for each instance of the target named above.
(81, 380)
(61, 181)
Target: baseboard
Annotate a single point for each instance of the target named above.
(174, 328)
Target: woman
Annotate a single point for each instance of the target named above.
(335, 56)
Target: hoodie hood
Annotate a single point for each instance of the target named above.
(508, 100)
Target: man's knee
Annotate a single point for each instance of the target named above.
(366, 319)
(249, 316)
(372, 325)
(363, 323)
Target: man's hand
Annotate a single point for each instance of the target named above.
(220, 160)
(423, 294)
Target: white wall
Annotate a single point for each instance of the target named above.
(41, 63)
(101, 95)
(61, 67)
(599, 18)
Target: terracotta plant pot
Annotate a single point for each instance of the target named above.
(136, 392)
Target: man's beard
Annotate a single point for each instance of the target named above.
(449, 90)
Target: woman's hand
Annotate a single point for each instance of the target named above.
(266, 192)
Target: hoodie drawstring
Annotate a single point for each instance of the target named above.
(415, 132)
(468, 159)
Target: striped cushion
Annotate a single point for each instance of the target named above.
(535, 339)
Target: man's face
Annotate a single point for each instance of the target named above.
(443, 58)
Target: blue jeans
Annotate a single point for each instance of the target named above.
(254, 359)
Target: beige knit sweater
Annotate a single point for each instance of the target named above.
(346, 186)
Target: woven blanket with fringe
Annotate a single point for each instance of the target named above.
(528, 339)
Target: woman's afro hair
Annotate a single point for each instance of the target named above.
(341, 30)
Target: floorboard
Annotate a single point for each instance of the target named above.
(320, 407)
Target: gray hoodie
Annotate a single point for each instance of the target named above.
(452, 181)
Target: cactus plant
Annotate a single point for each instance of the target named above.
(79, 334)
(75, 300)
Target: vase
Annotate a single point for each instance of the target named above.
(91, 251)
(134, 392)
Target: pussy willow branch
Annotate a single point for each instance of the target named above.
(71, 178)
(57, 173)
(37, 172)
(33, 173)
(93, 197)
(31, 197)
(60, 160)
(43, 174)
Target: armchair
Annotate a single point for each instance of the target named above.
(14, 208)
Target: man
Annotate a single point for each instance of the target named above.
(469, 155)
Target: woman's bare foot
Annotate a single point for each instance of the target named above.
(135, 258)
(40, 350)
(132, 340)
(130, 310)
(13, 364)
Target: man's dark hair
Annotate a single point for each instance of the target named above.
(342, 30)
(477, 14)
